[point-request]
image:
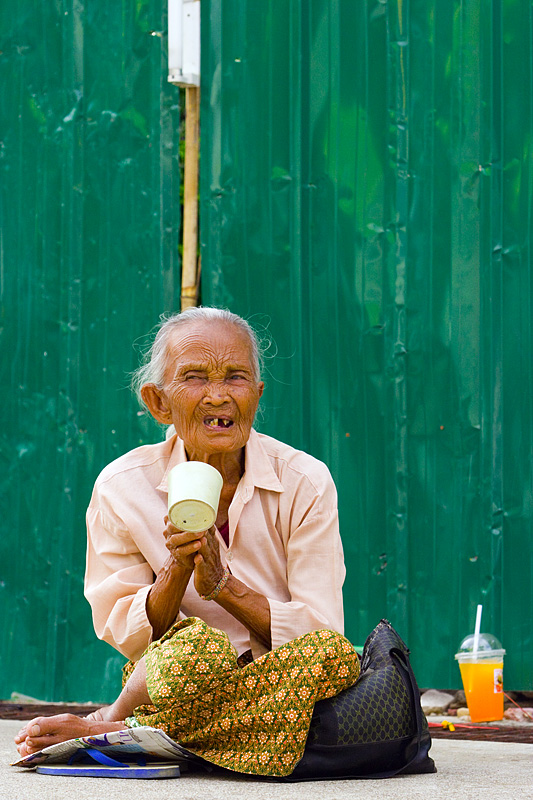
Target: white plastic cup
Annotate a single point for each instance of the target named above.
(193, 495)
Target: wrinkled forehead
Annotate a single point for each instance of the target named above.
(215, 344)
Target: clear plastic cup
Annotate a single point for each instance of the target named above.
(482, 676)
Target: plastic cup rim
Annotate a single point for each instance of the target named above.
(481, 655)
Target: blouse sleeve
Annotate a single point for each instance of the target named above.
(117, 582)
(315, 572)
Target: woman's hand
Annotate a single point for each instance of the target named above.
(44, 731)
(208, 569)
(183, 545)
(199, 551)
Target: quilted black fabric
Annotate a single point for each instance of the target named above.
(378, 707)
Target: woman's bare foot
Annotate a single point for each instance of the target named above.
(44, 731)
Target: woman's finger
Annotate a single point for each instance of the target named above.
(186, 549)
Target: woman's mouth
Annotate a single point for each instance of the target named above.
(218, 423)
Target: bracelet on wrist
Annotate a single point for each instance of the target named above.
(218, 588)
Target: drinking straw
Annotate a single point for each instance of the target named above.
(477, 628)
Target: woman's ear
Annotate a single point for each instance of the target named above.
(156, 402)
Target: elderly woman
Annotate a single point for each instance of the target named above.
(266, 579)
(272, 568)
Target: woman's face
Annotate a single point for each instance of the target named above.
(210, 393)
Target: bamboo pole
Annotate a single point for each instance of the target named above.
(189, 267)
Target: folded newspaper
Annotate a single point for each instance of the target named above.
(129, 744)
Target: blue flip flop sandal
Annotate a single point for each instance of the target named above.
(92, 763)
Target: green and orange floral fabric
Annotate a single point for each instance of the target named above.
(253, 719)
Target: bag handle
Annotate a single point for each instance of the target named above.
(401, 661)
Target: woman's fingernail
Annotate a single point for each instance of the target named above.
(35, 730)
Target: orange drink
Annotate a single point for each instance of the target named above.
(483, 685)
(482, 676)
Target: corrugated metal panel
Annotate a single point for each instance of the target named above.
(90, 219)
(366, 188)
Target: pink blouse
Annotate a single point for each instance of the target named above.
(284, 542)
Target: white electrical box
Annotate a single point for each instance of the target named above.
(184, 42)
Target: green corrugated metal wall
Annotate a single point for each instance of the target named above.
(366, 193)
(90, 225)
(367, 183)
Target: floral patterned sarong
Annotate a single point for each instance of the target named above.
(255, 719)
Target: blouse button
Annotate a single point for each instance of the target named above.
(229, 556)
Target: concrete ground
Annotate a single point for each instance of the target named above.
(466, 770)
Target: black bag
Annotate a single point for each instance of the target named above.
(375, 729)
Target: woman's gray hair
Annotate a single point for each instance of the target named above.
(152, 370)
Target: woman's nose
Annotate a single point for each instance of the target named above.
(216, 393)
